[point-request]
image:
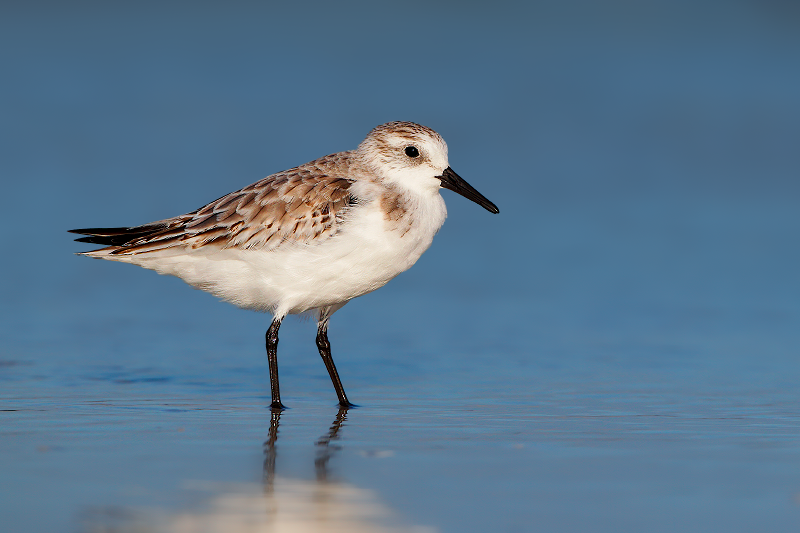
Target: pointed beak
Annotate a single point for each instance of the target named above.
(454, 182)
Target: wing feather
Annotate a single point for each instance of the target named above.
(301, 205)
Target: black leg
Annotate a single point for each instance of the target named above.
(272, 357)
(325, 351)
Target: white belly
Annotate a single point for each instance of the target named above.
(296, 278)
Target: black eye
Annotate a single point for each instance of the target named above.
(411, 151)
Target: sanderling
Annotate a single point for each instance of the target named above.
(310, 238)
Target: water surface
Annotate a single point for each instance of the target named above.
(616, 351)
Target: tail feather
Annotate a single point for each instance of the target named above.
(117, 236)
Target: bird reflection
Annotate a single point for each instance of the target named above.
(281, 504)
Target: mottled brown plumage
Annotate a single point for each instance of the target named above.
(396, 213)
(298, 205)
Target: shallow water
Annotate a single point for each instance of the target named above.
(616, 351)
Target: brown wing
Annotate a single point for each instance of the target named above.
(302, 205)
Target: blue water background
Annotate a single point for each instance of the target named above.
(618, 350)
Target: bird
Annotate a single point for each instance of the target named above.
(308, 239)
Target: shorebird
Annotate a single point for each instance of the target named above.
(308, 239)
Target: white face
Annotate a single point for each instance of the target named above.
(407, 155)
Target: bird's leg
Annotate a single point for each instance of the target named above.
(325, 351)
(272, 357)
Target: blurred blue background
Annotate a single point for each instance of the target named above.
(617, 350)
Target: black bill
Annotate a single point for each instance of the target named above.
(454, 182)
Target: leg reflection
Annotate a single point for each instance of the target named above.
(297, 503)
(325, 449)
(270, 451)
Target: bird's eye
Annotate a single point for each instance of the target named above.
(411, 151)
